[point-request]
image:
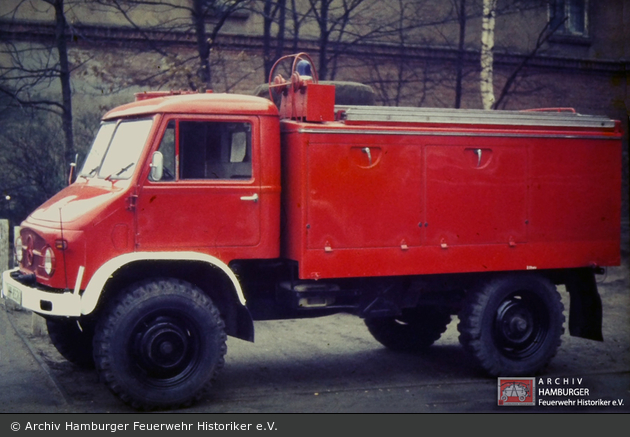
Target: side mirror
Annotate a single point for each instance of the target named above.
(157, 167)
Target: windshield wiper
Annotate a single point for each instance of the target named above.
(124, 169)
(90, 173)
(121, 171)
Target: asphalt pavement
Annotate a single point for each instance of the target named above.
(26, 382)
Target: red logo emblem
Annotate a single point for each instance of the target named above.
(516, 391)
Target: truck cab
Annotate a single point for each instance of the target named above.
(152, 163)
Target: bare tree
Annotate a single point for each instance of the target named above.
(332, 21)
(33, 68)
(404, 73)
(492, 10)
(462, 19)
(273, 11)
(35, 85)
(32, 162)
(205, 21)
(64, 76)
(298, 18)
(487, 56)
(548, 30)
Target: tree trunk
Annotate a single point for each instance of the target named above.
(460, 53)
(324, 37)
(64, 77)
(205, 74)
(282, 11)
(267, 21)
(296, 27)
(269, 16)
(487, 46)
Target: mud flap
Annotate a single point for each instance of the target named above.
(245, 324)
(585, 314)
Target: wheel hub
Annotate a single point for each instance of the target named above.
(165, 345)
(163, 348)
(517, 328)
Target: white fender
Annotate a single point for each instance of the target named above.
(94, 288)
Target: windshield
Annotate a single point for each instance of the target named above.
(98, 149)
(116, 149)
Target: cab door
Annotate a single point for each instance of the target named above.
(207, 197)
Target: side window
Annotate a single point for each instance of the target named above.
(215, 150)
(167, 148)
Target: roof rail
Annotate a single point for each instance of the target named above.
(146, 95)
(570, 110)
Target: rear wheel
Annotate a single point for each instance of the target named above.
(512, 326)
(160, 345)
(414, 330)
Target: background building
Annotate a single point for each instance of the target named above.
(64, 62)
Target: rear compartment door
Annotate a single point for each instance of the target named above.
(364, 195)
(476, 194)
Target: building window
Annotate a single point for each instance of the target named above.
(569, 17)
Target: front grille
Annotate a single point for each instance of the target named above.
(32, 250)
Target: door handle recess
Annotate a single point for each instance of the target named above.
(478, 157)
(252, 198)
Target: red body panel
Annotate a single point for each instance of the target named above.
(313, 102)
(436, 199)
(93, 217)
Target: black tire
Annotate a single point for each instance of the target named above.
(413, 331)
(73, 342)
(160, 345)
(512, 326)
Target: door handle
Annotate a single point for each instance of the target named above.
(478, 157)
(252, 198)
(367, 151)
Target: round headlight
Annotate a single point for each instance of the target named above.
(18, 249)
(49, 261)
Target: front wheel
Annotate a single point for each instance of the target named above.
(72, 340)
(512, 325)
(160, 345)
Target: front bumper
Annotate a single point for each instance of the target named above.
(58, 303)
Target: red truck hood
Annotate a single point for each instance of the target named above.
(77, 201)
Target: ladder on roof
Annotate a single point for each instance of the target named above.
(549, 118)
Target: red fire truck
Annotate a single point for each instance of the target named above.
(196, 214)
